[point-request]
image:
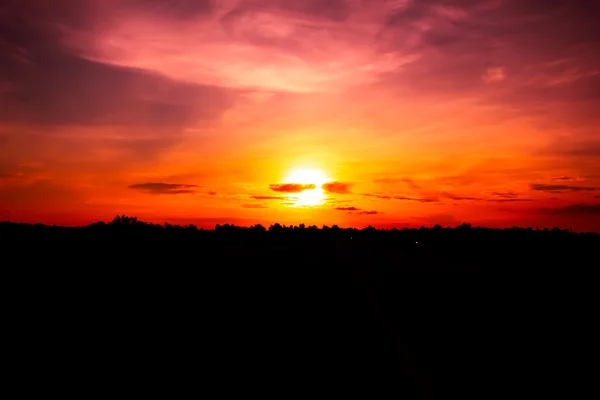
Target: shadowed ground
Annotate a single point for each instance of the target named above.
(288, 311)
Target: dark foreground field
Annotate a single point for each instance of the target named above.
(129, 308)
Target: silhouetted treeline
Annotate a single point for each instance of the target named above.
(125, 225)
(438, 247)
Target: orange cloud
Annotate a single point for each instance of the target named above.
(291, 187)
(378, 196)
(163, 188)
(337, 187)
(561, 188)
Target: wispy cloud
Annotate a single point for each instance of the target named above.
(461, 198)
(164, 188)
(402, 198)
(407, 181)
(504, 195)
(509, 200)
(268, 197)
(560, 188)
(358, 211)
(378, 196)
(291, 187)
(419, 199)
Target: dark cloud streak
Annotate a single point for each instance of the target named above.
(378, 196)
(403, 198)
(560, 188)
(460, 198)
(291, 187)
(574, 210)
(504, 195)
(420, 200)
(509, 200)
(164, 188)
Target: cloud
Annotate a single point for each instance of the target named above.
(337, 187)
(460, 198)
(597, 196)
(66, 90)
(494, 75)
(50, 86)
(291, 187)
(505, 195)
(574, 210)
(458, 40)
(163, 188)
(420, 200)
(268, 197)
(562, 178)
(266, 44)
(254, 206)
(331, 200)
(560, 188)
(124, 114)
(358, 211)
(335, 10)
(509, 200)
(405, 198)
(378, 196)
(409, 182)
(179, 9)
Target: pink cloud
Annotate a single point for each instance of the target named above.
(260, 44)
(494, 75)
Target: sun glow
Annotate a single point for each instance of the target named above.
(308, 176)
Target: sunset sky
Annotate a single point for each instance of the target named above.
(387, 113)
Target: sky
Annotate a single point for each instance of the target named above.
(388, 113)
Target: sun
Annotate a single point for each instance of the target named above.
(308, 176)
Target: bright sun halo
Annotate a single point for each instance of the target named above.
(308, 176)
